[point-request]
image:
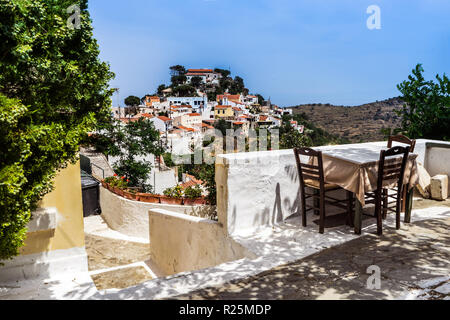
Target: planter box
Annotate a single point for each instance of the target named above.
(118, 191)
(147, 197)
(129, 195)
(195, 201)
(104, 184)
(169, 200)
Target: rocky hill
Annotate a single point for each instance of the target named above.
(357, 124)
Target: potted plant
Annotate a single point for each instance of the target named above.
(148, 197)
(192, 195)
(172, 195)
(130, 194)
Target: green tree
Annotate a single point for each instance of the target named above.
(426, 112)
(160, 89)
(223, 72)
(196, 81)
(53, 90)
(132, 101)
(177, 70)
(260, 99)
(130, 143)
(184, 91)
(178, 80)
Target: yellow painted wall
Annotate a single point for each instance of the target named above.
(66, 198)
(219, 112)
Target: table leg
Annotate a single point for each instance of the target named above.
(358, 217)
(409, 202)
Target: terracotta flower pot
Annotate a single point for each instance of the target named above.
(188, 201)
(200, 201)
(129, 195)
(169, 200)
(118, 191)
(148, 197)
(194, 201)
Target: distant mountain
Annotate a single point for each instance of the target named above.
(358, 124)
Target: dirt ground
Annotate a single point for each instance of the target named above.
(121, 278)
(106, 253)
(419, 251)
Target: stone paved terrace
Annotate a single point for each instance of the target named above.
(294, 263)
(414, 264)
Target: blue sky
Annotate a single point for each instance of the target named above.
(293, 51)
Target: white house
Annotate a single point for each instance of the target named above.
(189, 120)
(207, 75)
(162, 123)
(197, 103)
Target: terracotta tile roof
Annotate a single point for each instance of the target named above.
(204, 125)
(194, 114)
(229, 96)
(195, 74)
(223, 107)
(201, 70)
(238, 122)
(186, 128)
(191, 182)
(237, 109)
(263, 118)
(163, 118)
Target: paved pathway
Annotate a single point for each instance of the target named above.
(414, 264)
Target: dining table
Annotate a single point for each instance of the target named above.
(354, 167)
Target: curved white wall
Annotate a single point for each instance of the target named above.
(131, 217)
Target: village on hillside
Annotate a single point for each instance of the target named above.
(183, 113)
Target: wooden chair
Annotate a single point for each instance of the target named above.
(412, 143)
(389, 170)
(311, 176)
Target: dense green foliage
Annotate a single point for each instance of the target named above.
(193, 192)
(53, 89)
(132, 101)
(426, 112)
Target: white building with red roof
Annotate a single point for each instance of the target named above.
(207, 75)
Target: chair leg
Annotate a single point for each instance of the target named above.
(322, 212)
(398, 209)
(385, 203)
(378, 212)
(303, 207)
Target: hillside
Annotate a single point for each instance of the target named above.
(357, 124)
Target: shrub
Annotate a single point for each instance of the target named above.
(53, 90)
(175, 192)
(193, 192)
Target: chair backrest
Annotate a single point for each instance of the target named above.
(402, 139)
(395, 169)
(313, 170)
